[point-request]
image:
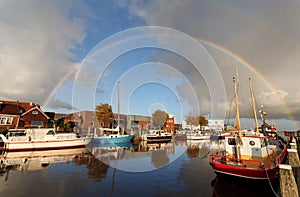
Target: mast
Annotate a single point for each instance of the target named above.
(263, 118)
(237, 114)
(253, 106)
(262, 114)
(118, 103)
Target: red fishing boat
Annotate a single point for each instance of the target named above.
(248, 156)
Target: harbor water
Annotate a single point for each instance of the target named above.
(176, 168)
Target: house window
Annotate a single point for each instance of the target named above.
(3, 120)
(36, 123)
(6, 120)
(92, 123)
(35, 112)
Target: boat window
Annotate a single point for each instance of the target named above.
(252, 143)
(17, 133)
(231, 141)
(45, 165)
(50, 132)
(264, 142)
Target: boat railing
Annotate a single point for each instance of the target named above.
(221, 158)
(278, 160)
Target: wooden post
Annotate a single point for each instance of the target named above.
(293, 145)
(293, 157)
(288, 186)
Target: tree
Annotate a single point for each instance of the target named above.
(192, 121)
(104, 114)
(159, 118)
(202, 121)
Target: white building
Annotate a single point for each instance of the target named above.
(216, 124)
(187, 126)
(212, 124)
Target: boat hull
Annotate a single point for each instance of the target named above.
(228, 172)
(44, 145)
(158, 138)
(198, 137)
(113, 140)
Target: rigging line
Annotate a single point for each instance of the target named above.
(269, 178)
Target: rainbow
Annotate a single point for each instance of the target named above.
(204, 42)
(70, 72)
(243, 62)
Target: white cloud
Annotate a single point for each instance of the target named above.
(35, 42)
(257, 31)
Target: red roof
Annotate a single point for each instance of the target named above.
(15, 107)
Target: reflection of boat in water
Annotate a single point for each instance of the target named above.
(157, 136)
(37, 160)
(144, 146)
(223, 188)
(109, 151)
(198, 148)
(40, 139)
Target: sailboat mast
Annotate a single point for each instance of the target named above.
(253, 106)
(119, 103)
(237, 116)
(237, 113)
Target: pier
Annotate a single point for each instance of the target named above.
(287, 172)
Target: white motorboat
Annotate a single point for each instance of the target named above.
(157, 136)
(40, 139)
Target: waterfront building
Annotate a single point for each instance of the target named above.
(169, 124)
(17, 114)
(137, 124)
(216, 124)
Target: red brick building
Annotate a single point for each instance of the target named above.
(169, 124)
(15, 114)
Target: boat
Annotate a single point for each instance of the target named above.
(180, 135)
(266, 128)
(111, 136)
(198, 135)
(218, 134)
(157, 136)
(248, 156)
(40, 139)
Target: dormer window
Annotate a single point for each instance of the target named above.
(6, 120)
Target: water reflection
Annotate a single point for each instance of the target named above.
(202, 148)
(125, 156)
(224, 188)
(36, 160)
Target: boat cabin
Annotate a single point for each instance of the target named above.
(252, 147)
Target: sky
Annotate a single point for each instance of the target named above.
(178, 56)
